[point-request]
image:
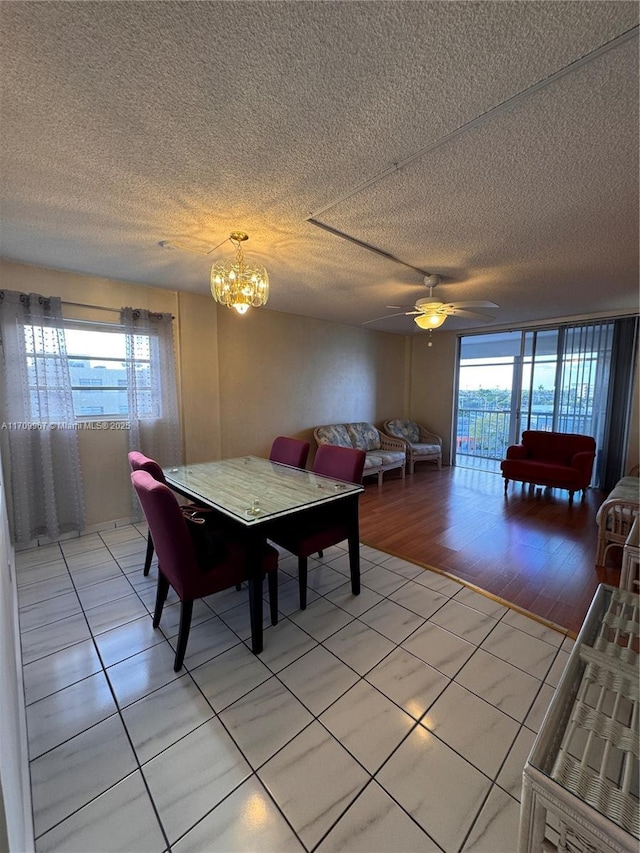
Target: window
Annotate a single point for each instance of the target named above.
(99, 369)
(572, 379)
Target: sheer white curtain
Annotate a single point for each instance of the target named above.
(151, 383)
(40, 444)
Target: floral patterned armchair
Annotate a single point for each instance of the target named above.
(383, 452)
(421, 445)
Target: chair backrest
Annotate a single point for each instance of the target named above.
(557, 447)
(171, 538)
(139, 462)
(403, 428)
(341, 463)
(289, 451)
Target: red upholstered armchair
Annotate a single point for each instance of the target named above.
(563, 460)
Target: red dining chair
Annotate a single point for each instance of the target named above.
(139, 462)
(192, 573)
(323, 529)
(341, 463)
(289, 451)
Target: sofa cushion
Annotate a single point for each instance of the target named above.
(391, 457)
(364, 436)
(626, 489)
(543, 473)
(405, 429)
(334, 434)
(372, 460)
(426, 449)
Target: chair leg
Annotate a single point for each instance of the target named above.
(506, 485)
(161, 596)
(320, 554)
(272, 580)
(255, 613)
(186, 608)
(149, 556)
(601, 550)
(302, 581)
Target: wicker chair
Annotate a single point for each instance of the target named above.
(616, 515)
(421, 444)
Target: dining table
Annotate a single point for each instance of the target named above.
(255, 495)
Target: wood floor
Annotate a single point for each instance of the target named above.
(531, 548)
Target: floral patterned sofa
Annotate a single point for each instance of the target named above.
(421, 445)
(383, 453)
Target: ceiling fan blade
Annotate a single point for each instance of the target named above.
(470, 315)
(474, 303)
(386, 317)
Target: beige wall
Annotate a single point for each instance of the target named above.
(432, 383)
(284, 374)
(200, 385)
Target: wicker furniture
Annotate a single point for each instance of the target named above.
(580, 783)
(617, 514)
(383, 453)
(630, 571)
(421, 444)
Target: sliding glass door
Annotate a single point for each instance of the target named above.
(558, 379)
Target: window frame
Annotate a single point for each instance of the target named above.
(86, 355)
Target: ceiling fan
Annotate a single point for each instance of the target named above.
(429, 313)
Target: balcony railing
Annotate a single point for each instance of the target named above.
(482, 433)
(485, 433)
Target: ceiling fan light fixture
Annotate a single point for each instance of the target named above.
(237, 285)
(430, 321)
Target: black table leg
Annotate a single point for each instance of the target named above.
(254, 574)
(354, 545)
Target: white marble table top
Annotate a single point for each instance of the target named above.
(253, 490)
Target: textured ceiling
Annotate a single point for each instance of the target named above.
(495, 144)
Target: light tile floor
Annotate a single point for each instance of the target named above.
(396, 721)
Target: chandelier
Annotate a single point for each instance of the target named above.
(237, 285)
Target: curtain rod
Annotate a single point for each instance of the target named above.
(93, 307)
(102, 307)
